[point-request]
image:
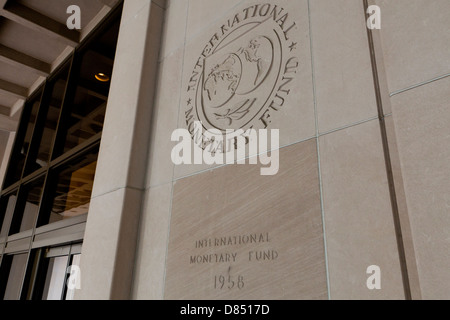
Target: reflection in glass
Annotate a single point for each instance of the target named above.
(87, 117)
(31, 110)
(16, 274)
(7, 204)
(72, 188)
(87, 110)
(27, 208)
(51, 106)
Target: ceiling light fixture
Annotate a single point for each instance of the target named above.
(102, 77)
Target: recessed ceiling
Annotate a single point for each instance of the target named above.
(34, 40)
(88, 8)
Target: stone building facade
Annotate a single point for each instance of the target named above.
(361, 187)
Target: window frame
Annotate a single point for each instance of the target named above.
(35, 241)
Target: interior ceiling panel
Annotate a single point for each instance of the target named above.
(33, 37)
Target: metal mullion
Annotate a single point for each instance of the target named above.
(41, 89)
(45, 190)
(63, 104)
(23, 180)
(38, 282)
(2, 252)
(69, 262)
(56, 160)
(43, 204)
(33, 176)
(4, 273)
(34, 231)
(17, 206)
(62, 224)
(20, 136)
(56, 148)
(28, 275)
(24, 272)
(66, 106)
(7, 176)
(10, 188)
(27, 270)
(78, 150)
(38, 128)
(43, 199)
(57, 251)
(51, 180)
(73, 79)
(7, 224)
(20, 202)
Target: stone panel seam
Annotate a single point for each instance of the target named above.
(115, 190)
(348, 126)
(173, 168)
(281, 147)
(419, 85)
(316, 116)
(246, 158)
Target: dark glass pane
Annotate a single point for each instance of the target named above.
(50, 112)
(88, 102)
(7, 204)
(70, 189)
(27, 207)
(16, 274)
(23, 140)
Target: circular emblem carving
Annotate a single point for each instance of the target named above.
(244, 72)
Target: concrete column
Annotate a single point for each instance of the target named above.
(111, 232)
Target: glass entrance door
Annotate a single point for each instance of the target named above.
(63, 272)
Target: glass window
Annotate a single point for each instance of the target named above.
(15, 277)
(27, 207)
(88, 103)
(70, 189)
(50, 112)
(7, 204)
(23, 140)
(62, 271)
(51, 170)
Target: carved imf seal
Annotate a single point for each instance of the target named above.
(244, 72)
